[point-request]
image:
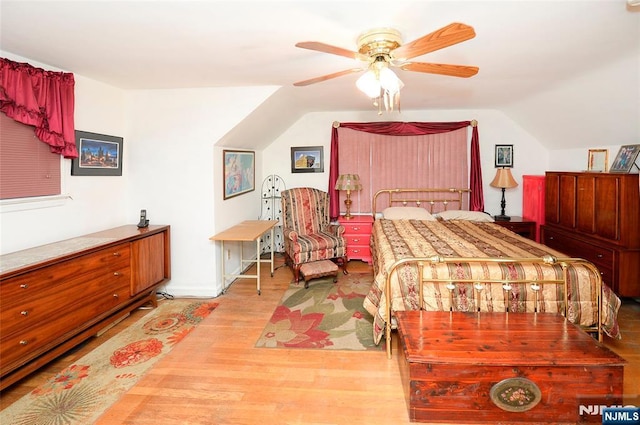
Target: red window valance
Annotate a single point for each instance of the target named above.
(43, 99)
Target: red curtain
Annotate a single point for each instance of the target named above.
(476, 201)
(43, 99)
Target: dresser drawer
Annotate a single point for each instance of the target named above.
(43, 281)
(102, 292)
(357, 239)
(358, 252)
(598, 255)
(54, 291)
(31, 334)
(357, 228)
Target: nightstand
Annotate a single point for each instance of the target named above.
(357, 235)
(521, 226)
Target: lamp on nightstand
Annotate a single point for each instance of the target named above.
(348, 182)
(503, 180)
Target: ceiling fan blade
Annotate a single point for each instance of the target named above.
(326, 77)
(446, 36)
(440, 68)
(327, 48)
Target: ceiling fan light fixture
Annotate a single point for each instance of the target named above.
(382, 85)
(383, 49)
(369, 84)
(389, 81)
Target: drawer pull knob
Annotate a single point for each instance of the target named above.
(116, 273)
(24, 342)
(116, 254)
(116, 296)
(24, 312)
(24, 286)
(550, 238)
(599, 255)
(356, 228)
(356, 240)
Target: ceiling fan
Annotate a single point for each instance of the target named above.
(382, 48)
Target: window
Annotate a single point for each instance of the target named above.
(27, 166)
(415, 161)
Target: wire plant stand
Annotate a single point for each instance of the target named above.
(271, 209)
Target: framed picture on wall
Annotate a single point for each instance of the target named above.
(98, 155)
(626, 159)
(504, 156)
(598, 160)
(307, 159)
(239, 172)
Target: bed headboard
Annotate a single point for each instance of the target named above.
(433, 200)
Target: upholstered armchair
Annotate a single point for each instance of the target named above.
(308, 235)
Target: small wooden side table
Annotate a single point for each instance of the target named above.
(521, 226)
(247, 231)
(357, 235)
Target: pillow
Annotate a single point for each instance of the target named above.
(465, 215)
(407, 213)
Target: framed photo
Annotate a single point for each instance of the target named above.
(504, 156)
(626, 159)
(307, 159)
(239, 172)
(598, 160)
(98, 155)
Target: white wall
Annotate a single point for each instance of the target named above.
(176, 175)
(94, 203)
(493, 126)
(577, 159)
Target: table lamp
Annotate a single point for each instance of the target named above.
(348, 182)
(503, 180)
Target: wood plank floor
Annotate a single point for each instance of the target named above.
(217, 376)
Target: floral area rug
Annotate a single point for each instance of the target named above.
(327, 315)
(80, 393)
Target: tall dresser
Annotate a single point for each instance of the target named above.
(596, 216)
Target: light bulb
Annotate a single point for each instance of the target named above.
(390, 81)
(369, 84)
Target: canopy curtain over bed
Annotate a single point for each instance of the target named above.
(414, 130)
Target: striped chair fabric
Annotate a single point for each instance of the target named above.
(308, 234)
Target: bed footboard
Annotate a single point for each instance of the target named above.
(474, 276)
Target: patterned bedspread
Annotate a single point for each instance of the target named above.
(392, 240)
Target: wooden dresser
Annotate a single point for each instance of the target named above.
(596, 216)
(357, 235)
(55, 296)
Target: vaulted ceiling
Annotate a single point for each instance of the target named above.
(543, 63)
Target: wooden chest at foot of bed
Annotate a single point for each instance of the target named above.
(504, 368)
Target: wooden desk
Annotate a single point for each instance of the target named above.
(249, 230)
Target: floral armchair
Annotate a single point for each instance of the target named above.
(308, 235)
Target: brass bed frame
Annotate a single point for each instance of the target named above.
(442, 199)
(480, 284)
(422, 198)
